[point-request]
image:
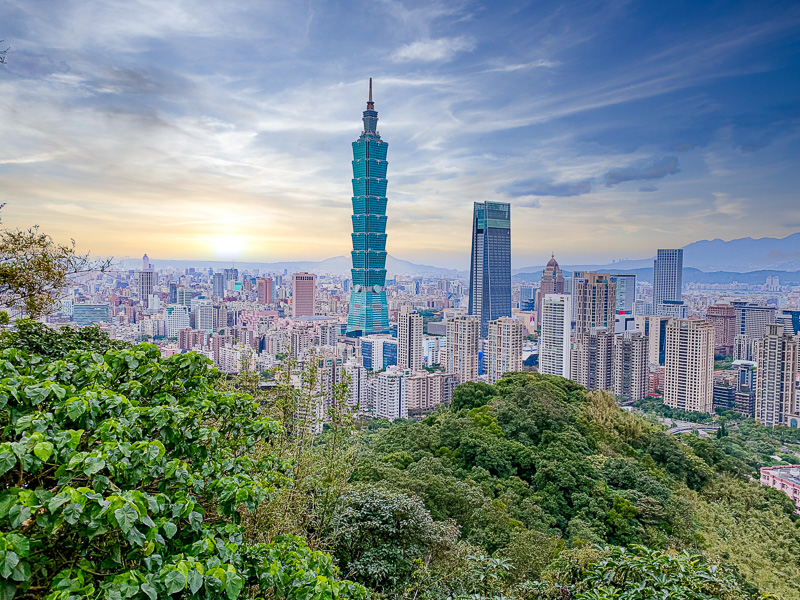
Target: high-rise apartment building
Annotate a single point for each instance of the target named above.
(776, 376)
(631, 365)
(409, 339)
(183, 296)
(391, 393)
(554, 337)
(231, 274)
(595, 298)
(463, 334)
(552, 283)
(592, 359)
(667, 276)
(368, 311)
(504, 347)
(625, 292)
(218, 285)
(490, 268)
(723, 318)
(655, 329)
(264, 287)
(177, 318)
(145, 282)
(689, 368)
(750, 323)
(204, 317)
(304, 294)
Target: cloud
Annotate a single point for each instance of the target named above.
(537, 187)
(657, 170)
(520, 66)
(442, 49)
(648, 188)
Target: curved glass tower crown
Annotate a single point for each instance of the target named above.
(368, 309)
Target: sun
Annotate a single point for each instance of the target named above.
(228, 246)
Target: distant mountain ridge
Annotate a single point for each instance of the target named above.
(690, 275)
(741, 255)
(337, 265)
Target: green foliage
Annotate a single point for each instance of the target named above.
(657, 407)
(125, 475)
(34, 269)
(54, 344)
(472, 394)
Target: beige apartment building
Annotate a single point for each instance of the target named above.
(462, 347)
(689, 368)
(504, 347)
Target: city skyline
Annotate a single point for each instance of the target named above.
(207, 132)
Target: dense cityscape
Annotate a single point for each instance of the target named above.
(232, 415)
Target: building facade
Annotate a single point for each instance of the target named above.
(504, 347)
(667, 276)
(631, 365)
(776, 375)
(368, 310)
(409, 339)
(391, 393)
(625, 292)
(689, 365)
(304, 294)
(463, 334)
(555, 336)
(490, 264)
(723, 318)
(265, 290)
(552, 283)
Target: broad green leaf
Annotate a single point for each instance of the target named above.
(8, 560)
(43, 450)
(7, 461)
(126, 516)
(150, 590)
(72, 512)
(93, 465)
(195, 581)
(18, 515)
(175, 582)
(170, 529)
(234, 586)
(76, 408)
(195, 518)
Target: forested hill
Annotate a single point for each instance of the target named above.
(539, 472)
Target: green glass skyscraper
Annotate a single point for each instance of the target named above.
(369, 312)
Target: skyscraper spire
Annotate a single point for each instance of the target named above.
(370, 117)
(370, 103)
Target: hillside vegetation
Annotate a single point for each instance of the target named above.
(127, 475)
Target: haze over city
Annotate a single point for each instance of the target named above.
(201, 131)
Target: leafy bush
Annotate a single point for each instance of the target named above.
(124, 475)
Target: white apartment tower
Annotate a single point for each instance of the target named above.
(554, 338)
(409, 339)
(776, 375)
(391, 393)
(689, 365)
(462, 347)
(504, 347)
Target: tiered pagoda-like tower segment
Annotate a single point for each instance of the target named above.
(368, 308)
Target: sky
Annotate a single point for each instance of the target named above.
(222, 130)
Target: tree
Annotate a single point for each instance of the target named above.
(472, 394)
(53, 344)
(34, 269)
(126, 475)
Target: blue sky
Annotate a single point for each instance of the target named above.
(217, 130)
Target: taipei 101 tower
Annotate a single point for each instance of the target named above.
(368, 309)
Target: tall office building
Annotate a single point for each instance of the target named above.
(173, 293)
(264, 286)
(625, 292)
(409, 339)
(776, 375)
(304, 294)
(145, 263)
(552, 283)
(368, 311)
(554, 337)
(490, 269)
(723, 318)
(667, 276)
(218, 285)
(463, 334)
(631, 365)
(145, 281)
(204, 317)
(689, 368)
(87, 314)
(231, 274)
(504, 347)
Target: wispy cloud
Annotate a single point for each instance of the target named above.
(657, 170)
(534, 187)
(442, 49)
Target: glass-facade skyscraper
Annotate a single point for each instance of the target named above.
(490, 269)
(667, 276)
(369, 312)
